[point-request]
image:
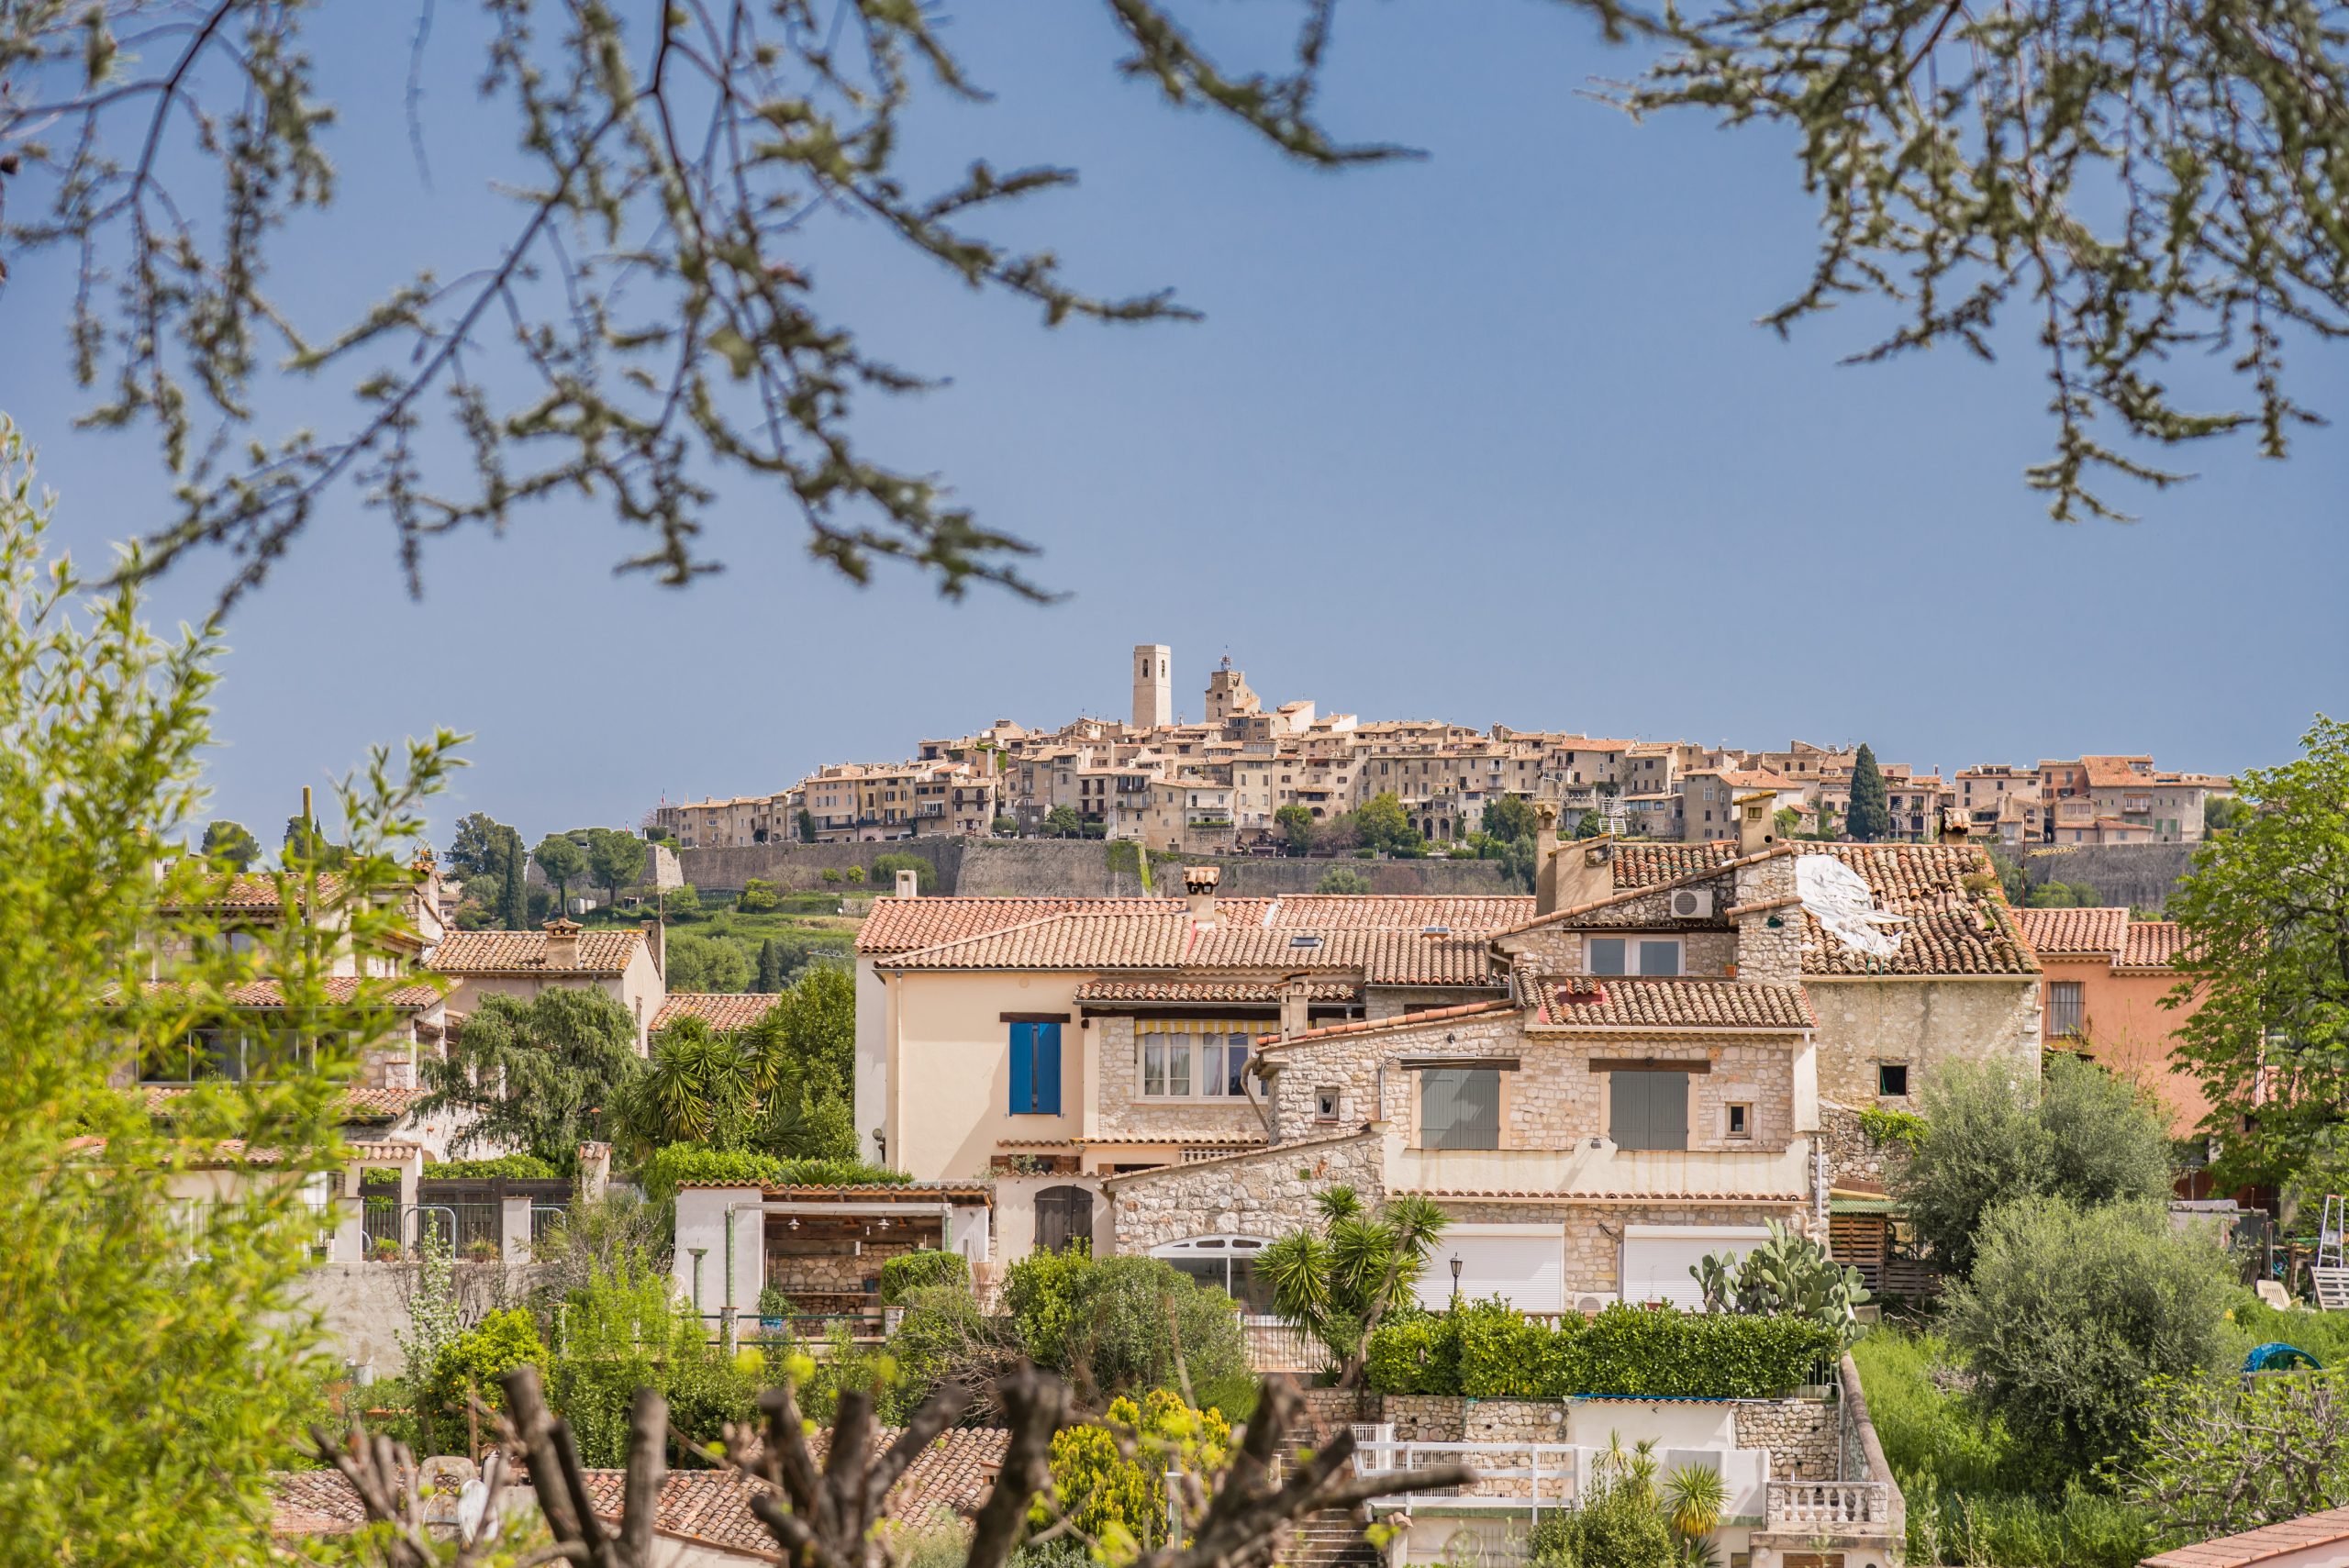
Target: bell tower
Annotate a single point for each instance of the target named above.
(1153, 686)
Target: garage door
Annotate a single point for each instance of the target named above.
(1657, 1258)
(1523, 1265)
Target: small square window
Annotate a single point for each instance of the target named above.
(1892, 1078)
(1741, 1121)
(1325, 1104)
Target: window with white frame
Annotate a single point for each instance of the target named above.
(1650, 956)
(1183, 1061)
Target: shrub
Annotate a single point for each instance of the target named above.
(1120, 1498)
(909, 1272)
(621, 1330)
(473, 1362)
(2069, 1311)
(1885, 1126)
(679, 1162)
(855, 873)
(758, 897)
(1109, 1322)
(2219, 1458)
(1488, 1350)
(682, 902)
(832, 875)
(697, 962)
(1618, 1524)
(773, 1303)
(1989, 1137)
(1342, 879)
(886, 867)
(1039, 1298)
(513, 1167)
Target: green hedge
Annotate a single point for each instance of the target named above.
(680, 1162)
(911, 1272)
(513, 1167)
(1486, 1350)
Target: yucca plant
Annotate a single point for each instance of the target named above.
(1340, 1284)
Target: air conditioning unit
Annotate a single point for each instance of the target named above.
(1692, 903)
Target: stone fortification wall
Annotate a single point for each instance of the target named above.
(2140, 875)
(1016, 868)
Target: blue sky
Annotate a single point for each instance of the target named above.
(1490, 436)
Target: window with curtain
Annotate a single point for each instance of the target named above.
(1460, 1107)
(1185, 1060)
(2063, 1009)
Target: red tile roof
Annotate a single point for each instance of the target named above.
(525, 952)
(2153, 944)
(340, 990)
(1951, 928)
(1642, 864)
(2073, 931)
(259, 890)
(723, 1011)
(950, 1478)
(1406, 1021)
(364, 1105)
(1595, 1002)
(902, 924)
(2309, 1532)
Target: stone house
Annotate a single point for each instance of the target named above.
(1681, 1057)
(624, 965)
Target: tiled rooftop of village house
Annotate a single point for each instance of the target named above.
(1209, 990)
(2074, 930)
(525, 952)
(1609, 1002)
(903, 925)
(722, 1011)
(2309, 1533)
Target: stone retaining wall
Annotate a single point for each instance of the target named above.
(1269, 1193)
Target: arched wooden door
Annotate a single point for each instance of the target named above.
(1063, 1214)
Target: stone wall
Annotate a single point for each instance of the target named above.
(364, 1307)
(2142, 876)
(1124, 1113)
(1802, 1435)
(1852, 1154)
(1266, 1194)
(1069, 867)
(1923, 1024)
(1554, 1100)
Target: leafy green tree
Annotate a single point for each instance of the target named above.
(1340, 1282)
(1870, 817)
(770, 976)
(229, 844)
(1592, 825)
(2266, 916)
(1509, 816)
(855, 873)
(1062, 822)
(1787, 822)
(682, 902)
(806, 1046)
(806, 825)
(2218, 1459)
(480, 847)
(615, 860)
(1295, 824)
(697, 962)
(1991, 1138)
(157, 1358)
(2224, 813)
(758, 897)
(543, 1074)
(1005, 827)
(306, 844)
(831, 873)
(1384, 825)
(886, 867)
(1342, 879)
(562, 860)
(2063, 896)
(2070, 1310)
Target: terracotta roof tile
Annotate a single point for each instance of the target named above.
(1406, 1021)
(1208, 991)
(2073, 931)
(951, 1477)
(2307, 1532)
(340, 990)
(1284, 1150)
(525, 952)
(367, 1105)
(259, 890)
(1641, 864)
(1542, 1195)
(2153, 944)
(1951, 929)
(1598, 1002)
(903, 925)
(723, 1011)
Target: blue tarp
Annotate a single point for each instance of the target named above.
(2278, 1356)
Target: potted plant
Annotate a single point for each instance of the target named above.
(387, 1251)
(774, 1311)
(481, 1251)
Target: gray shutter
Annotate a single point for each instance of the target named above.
(1476, 1109)
(1667, 1110)
(1439, 1107)
(1627, 1109)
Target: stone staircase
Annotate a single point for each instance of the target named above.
(1333, 1538)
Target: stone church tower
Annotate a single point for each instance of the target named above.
(1153, 686)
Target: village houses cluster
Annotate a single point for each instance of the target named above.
(1214, 785)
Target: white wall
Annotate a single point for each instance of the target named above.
(703, 1214)
(872, 1057)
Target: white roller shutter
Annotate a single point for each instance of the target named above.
(1525, 1265)
(1657, 1258)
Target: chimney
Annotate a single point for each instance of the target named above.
(1295, 1007)
(908, 883)
(1198, 885)
(1955, 827)
(1584, 874)
(1546, 858)
(659, 948)
(562, 943)
(1757, 822)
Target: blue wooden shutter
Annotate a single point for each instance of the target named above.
(1048, 1068)
(1023, 1068)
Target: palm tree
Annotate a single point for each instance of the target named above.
(1337, 1284)
(1695, 1496)
(698, 1088)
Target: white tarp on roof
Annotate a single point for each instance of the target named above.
(1839, 899)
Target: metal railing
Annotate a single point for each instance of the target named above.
(546, 1219)
(1828, 1506)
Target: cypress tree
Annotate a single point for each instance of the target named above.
(770, 966)
(514, 908)
(1871, 815)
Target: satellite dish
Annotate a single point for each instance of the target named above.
(1839, 899)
